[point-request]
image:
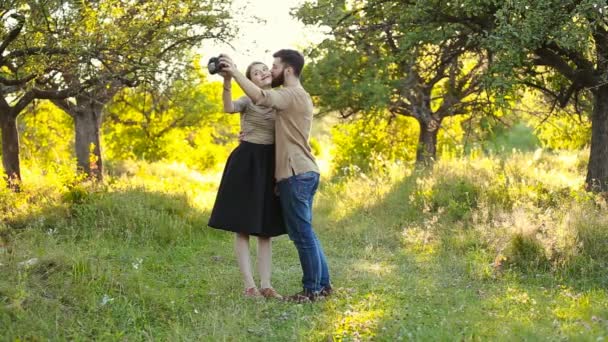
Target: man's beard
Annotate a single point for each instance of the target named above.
(278, 81)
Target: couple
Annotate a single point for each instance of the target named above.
(267, 188)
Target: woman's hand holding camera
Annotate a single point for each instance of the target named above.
(227, 65)
(222, 65)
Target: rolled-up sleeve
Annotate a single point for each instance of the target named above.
(275, 98)
(240, 104)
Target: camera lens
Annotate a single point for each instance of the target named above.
(214, 65)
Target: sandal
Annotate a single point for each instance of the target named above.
(269, 292)
(252, 292)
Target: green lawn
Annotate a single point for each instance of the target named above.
(133, 260)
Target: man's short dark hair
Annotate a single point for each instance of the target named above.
(291, 58)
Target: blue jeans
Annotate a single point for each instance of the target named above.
(296, 194)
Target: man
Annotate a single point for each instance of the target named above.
(296, 171)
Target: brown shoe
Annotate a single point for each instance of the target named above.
(269, 292)
(252, 292)
(327, 291)
(303, 297)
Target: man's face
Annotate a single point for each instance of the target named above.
(277, 72)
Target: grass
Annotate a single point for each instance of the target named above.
(481, 249)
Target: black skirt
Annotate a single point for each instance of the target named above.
(246, 202)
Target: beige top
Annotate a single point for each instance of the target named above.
(257, 122)
(293, 122)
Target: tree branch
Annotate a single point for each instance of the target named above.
(65, 105)
(13, 34)
(36, 51)
(582, 78)
(18, 82)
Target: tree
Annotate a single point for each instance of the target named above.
(27, 57)
(380, 59)
(561, 48)
(79, 54)
(151, 44)
(557, 46)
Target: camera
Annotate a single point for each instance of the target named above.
(214, 65)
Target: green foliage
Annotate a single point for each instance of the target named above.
(565, 132)
(315, 147)
(525, 252)
(592, 235)
(566, 128)
(368, 143)
(583, 243)
(527, 208)
(32, 28)
(60, 43)
(524, 26)
(345, 80)
(185, 123)
(459, 197)
(77, 194)
(47, 135)
(455, 195)
(62, 50)
(371, 141)
(519, 137)
(136, 254)
(382, 58)
(550, 46)
(137, 211)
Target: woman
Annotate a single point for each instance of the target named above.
(246, 202)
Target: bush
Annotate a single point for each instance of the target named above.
(525, 252)
(519, 137)
(135, 216)
(592, 237)
(315, 146)
(584, 240)
(369, 142)
(189, 128)
(455, 195)
(46, 135)
(77, 194)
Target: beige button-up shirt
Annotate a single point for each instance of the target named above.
(293, 122)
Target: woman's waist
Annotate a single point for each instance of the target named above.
(257, 140)
(258, 136)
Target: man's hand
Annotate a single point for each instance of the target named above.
(228, 66)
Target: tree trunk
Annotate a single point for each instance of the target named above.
(426, 153)
(10, 151)
(597, 170)
(88, 149)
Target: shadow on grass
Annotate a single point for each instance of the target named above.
(123, 264)
(133, 215)
(142, 265)
(408, 274)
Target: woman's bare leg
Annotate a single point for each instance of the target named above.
(241, 247)
(264, 261)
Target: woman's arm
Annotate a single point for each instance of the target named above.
(227, 95)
